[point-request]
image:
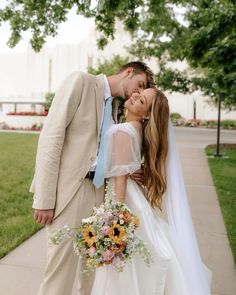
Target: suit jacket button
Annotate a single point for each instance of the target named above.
(92, 159)
(81, 179)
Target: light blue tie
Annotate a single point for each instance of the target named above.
(98, 180)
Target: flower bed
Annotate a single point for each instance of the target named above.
(27, 113)
(37, 128)
(22, 122)
(178, 120)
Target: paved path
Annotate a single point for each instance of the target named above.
(208, 221)
(21, 270)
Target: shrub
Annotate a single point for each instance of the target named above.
(49, 97)
(225, 124)
(177, 119)
(175, 116)
(228, 124)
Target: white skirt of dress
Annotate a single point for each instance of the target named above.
(164, 276)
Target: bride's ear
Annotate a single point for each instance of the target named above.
(145, 119)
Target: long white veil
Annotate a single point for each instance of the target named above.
(197, 275)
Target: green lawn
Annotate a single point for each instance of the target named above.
(223, 171)
(17, 158)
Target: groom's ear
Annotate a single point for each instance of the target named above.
(129, 71)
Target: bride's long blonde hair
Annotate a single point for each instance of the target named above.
(155, 149)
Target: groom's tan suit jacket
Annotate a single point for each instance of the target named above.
(68, 141)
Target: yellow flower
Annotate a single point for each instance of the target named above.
(136, 221)
(117, 234)
(89, 235)
(127, 216)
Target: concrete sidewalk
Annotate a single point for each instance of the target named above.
(21, 271)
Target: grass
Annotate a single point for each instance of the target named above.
(17, 158)
(223, 171)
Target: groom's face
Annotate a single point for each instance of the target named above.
(134, 83)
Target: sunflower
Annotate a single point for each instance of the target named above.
(117, 233)
(89, 235)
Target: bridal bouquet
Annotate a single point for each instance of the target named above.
(107, 237)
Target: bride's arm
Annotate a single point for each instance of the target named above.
(120, 188)
(122, 158)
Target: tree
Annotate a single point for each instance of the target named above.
(205, 38)
(42, 17)
(109, 67)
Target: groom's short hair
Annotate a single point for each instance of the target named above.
(139, 68)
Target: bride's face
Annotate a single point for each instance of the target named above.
(139, 104)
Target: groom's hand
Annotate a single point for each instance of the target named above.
(138, 176)
(44, 216)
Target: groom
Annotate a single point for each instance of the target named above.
(67, 156)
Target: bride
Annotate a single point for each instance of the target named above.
(161, 204)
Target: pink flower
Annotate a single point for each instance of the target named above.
(105, 230)
(108, 255)
(91, 251)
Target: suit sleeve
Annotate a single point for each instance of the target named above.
(51, 140)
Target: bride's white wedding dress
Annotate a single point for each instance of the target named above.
(165, 275)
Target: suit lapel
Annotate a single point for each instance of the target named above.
(99, 92)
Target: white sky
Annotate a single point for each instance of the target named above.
(75, 29)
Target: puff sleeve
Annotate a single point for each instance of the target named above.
(122, 152)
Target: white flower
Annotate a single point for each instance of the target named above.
(90, 219)
(99, 210)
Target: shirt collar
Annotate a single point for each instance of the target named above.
(107, 90)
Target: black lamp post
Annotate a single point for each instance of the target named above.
(194, 110)
(217, 153)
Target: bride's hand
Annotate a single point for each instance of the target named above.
(138, 176)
